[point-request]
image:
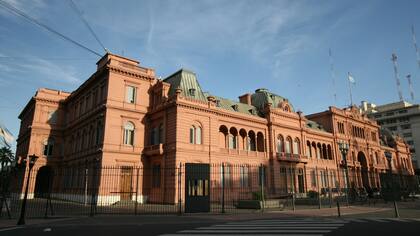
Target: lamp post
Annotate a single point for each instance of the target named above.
(388, 156)
(32, 160)
(344, 149)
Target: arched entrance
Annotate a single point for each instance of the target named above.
(43, 182)
(361, 158)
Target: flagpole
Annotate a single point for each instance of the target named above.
(351, 96)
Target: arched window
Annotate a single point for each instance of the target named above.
(308, 149)
(296, 146)
(195, 135)
(192, 132)
(318, 151)
(48, 147)
(233, 139)
(251, 141)
(260, 142)
(129, 133)
(288, 146)
(280, 144)
(198, 135)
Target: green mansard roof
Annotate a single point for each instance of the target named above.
(187, 81)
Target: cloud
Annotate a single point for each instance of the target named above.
(27, 6)
(268, 33)
(45, 70)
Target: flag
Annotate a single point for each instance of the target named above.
(5, 135)
(351, 79)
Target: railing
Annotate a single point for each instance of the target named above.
(91, 190)
(289, 157)
(151, 150)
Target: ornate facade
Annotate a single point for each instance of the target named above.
(124, 116)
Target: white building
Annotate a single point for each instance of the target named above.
(401, 118)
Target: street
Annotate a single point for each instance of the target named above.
(193, 225)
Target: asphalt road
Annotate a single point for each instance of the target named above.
(169, 226)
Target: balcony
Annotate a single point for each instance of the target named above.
(153, 150)
(294, 158)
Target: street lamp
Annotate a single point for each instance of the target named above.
(32, 160)
(388, 156)
(344, 149)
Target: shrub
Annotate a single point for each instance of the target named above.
(257, 196)
(312, 194)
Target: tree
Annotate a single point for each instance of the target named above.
(6, 156)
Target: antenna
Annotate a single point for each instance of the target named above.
(397, 77)
(410, 85)
(415, 46)
(332, 75)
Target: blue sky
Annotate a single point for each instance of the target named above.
(233, 46)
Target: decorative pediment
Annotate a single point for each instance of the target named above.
(285, 106)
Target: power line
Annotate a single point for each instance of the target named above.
(410, 85)
(42, 58)
(332, 75)
(397, 77)
(18, 12)
(79, 13)
(415, 46)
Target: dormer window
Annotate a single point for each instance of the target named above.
(252, 111)
(192, 92)
(218, 103)
(235, 107)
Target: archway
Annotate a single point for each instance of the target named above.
(361, 158)
(43, 182)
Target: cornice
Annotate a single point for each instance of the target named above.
(130, 73)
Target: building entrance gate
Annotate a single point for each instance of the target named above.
(197, 188)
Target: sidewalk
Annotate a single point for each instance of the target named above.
(352, 211)
(11, 223)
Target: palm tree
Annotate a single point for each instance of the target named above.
(6, 156)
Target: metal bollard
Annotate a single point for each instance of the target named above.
(338, 208)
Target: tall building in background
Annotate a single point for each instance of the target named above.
(401, 118)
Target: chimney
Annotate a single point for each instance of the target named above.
(245, 99)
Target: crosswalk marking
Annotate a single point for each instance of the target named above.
(242, 234)
(292, 227)
(256, 231)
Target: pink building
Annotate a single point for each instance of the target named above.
(123, 116)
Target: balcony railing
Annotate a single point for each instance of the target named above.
(152, 150)
(289, 157)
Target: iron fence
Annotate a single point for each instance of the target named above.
(92, 190)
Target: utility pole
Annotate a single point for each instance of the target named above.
(397, 77)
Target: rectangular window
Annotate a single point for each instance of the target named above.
(313, 178)
(404, 119)
(408, 126)
(130, 94)
(156, 176)
(407, 135)
(393, 128)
